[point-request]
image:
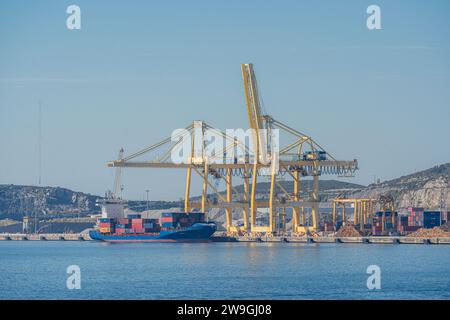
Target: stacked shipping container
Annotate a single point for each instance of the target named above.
(415, 218)
(402, 223)
(133, 224)
(106, 225)
(387, 218)
(136, 224)
(419, 218)
(431, 219)
(176, 220)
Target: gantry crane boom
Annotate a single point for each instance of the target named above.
(255, 118)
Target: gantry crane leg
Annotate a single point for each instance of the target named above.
(187, 191)
(303, 216)
(204, 187)
(364, 213)
(344, 218)
(245, 196)
(271, 196)
(253, 197)
(315, 202)
(362, 219)
(334, 213)
(296, 209)
(229, 218)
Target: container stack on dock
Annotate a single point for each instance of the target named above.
(384, 221)
(377, 227)
(447, 217)
(419, 218)
(415, 218)
(402, 223)
(431, 219)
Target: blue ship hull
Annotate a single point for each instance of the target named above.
(198, 232)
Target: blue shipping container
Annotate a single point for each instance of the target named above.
(134, 216)
(166, 225)
(167, 214)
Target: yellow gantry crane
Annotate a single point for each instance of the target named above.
(363, 209)
(301, 158)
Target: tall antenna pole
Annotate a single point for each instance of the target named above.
(40, 143)
(39, 157)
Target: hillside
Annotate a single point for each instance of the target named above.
(16, 201)
(425, 188)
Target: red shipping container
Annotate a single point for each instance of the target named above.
(120, 230)
(105, 225)
(136, 221)
(124, 221)
(166, 219)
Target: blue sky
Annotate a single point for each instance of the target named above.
(139, 69)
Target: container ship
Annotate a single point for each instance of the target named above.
(170, 227)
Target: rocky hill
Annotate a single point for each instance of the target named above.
(54, 202)
(17, 201)
(427, 188)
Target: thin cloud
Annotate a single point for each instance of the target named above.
(382, 47)
(43, 80)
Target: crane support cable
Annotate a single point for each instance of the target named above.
(154, 146)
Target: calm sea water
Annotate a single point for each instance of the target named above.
(37, 270)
